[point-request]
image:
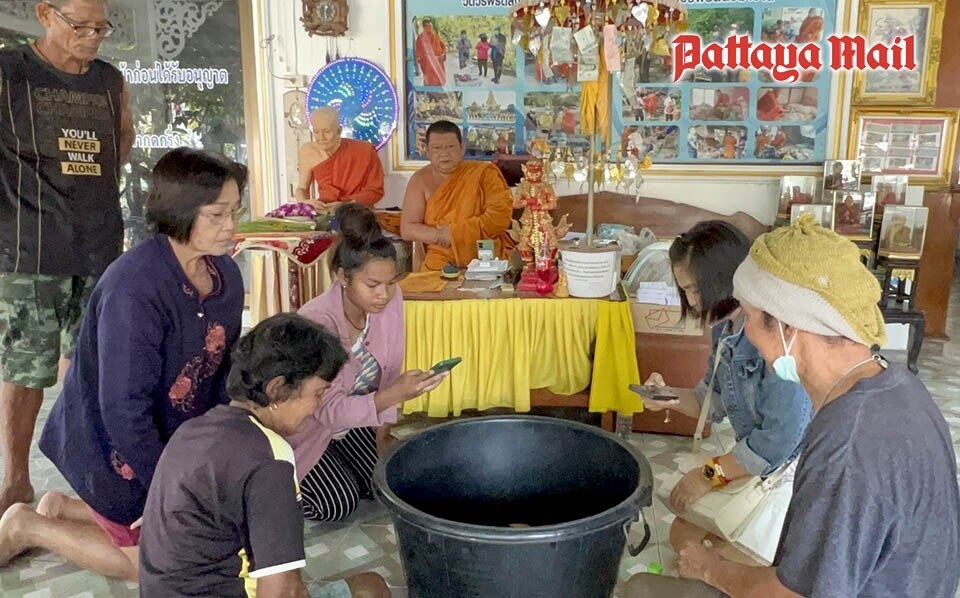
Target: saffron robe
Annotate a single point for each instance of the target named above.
(431, 54)
(475, 203)
(810, 30)
(352, 173)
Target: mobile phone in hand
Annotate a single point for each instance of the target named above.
(446, 365)
(655, 393)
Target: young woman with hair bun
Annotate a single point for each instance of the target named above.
(337, 448)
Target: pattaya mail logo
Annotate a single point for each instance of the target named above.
(787, 62)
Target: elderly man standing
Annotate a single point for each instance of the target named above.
(875, 509)
(450, 204)
(65, 131)
(343, 169)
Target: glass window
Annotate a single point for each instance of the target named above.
(182, 64)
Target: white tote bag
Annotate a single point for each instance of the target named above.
(748, 512)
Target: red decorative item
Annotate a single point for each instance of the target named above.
(537, 235)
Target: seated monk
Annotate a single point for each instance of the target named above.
(344, 169)
(450, 204)
(768, 107)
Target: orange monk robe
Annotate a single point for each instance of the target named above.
(768, 107)
(352, 173)
(810, 30)
(729, 146)
(779, 140)
(475, 203)
(762, 141)
(430, 53)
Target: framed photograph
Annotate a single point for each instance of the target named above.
(785, 142)
(883, 21)
(472, 63)
(853, 213)
(918, 142)
(902, 232)
(890, 189)
(823, 213)
(841, 174)
(797, 190)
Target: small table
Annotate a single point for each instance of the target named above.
(898, 302)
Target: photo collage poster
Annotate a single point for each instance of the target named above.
(463, 64)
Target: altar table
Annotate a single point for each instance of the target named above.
(513, 344)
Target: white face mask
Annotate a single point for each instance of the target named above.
(785, 366)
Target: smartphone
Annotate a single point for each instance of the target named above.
(655, 393)
(446, 365)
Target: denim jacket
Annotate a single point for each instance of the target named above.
(769, 415)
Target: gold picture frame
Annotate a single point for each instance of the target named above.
(903, 231)
(917, 142)
(883, 20)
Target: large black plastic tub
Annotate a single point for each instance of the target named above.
(512, 507)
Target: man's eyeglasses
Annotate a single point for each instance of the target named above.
(218, 218)
(84, 30)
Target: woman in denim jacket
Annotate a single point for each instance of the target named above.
(768, 415)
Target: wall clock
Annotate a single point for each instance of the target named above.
(363, 94)
(325, 17)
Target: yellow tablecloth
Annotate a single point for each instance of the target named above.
(510, 346)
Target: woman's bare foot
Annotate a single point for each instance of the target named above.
(368, 585)
(12, 525)
(11, 495)
(51, 504)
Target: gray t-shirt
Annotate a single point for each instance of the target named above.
(876, 506)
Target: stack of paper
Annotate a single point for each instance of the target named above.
(658, 293)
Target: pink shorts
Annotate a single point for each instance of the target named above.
(120, 536)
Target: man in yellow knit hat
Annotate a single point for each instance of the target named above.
(876, 507)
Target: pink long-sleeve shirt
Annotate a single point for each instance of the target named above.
(339, 409)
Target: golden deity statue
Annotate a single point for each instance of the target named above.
(538, 236)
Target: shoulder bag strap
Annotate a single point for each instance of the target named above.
(708, 396)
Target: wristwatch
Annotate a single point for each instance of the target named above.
(713, 473)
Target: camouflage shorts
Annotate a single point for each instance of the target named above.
(40, 317)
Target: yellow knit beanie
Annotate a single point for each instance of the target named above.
(812, 279)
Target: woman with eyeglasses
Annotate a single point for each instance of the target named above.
(151, 355)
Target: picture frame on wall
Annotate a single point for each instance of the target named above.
(853, 213)
(739, 120)
(881, 21)
(918, 142)
(902, 232)
(822, 213)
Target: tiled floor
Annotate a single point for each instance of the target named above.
(367, 542)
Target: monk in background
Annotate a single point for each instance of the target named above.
(343, 169)
(450, 204)
(811, 29)
(431, 55)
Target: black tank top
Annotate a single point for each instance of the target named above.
(59, 166)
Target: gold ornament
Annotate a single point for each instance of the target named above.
(561, 14)
(653, 15)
